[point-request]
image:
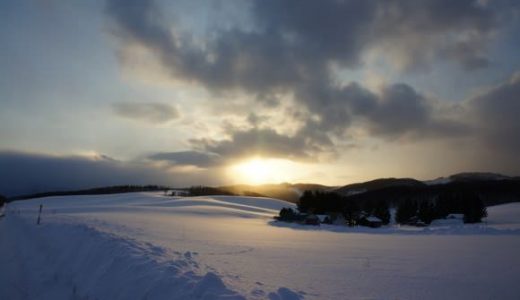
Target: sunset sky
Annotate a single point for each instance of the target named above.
(218, 92)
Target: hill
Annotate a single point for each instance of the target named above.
(152, 246)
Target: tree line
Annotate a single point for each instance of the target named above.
(408, 210)
(462, 202)
(321, 202)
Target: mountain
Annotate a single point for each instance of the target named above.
(469, 177)
(492, 188)
(475, 176)
(358, 188)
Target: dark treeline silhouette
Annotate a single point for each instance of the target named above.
(96, 191)
(3, 200)
(353, 211)
(201, 190)
(463, 202)
(491, 192)
(252, 194)
(411, 207)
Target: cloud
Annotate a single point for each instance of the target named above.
(396, 111)
(291, 46)
(402, 111)
(292, 40)
(24, 173)
(416, 34)
(495, 114)
(189, 158)
(154, 113)
(291, 49)
(260, 142)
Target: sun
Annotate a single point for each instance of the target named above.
(260, 170)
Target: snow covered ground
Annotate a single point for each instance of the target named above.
(148, 246)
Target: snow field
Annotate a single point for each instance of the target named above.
(147, 246)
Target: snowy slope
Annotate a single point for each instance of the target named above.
(147, 246)
(505, 216)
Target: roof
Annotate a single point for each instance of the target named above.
(322, 217)
(373, 219)
(311, 216)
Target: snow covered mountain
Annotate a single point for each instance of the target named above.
(469, 177)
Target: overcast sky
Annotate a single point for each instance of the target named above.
(185, 92)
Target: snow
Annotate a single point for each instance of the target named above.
(505, 217)
(440, 180)
(150, 246)
(355, 192)
(467, 176)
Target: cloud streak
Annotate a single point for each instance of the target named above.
(24, 173)
(155, 113)
(188, 158)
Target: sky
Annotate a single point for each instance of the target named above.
(218, 92)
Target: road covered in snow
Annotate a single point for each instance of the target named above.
(150, 246)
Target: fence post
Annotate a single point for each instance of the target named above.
(39, 215)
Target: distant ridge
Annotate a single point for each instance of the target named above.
(95, 191)
(497, 188)
(492, 188)
(357, 188)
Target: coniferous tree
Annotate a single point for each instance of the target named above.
(382, 211)
(287, 214)
(351, 211)
(369, 206)
(426, 212)
(306, 201)
(474, 209)
(442, 206)
(406, 210)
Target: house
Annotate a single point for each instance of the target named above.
(324, 219)
(311, 219)
(338, 219)
(370, 221)
(414, 221)
(177, 193)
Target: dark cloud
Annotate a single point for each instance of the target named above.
(192, 158)
(401, 111)
(397, 111)
(419, 33)
(261, 142)
(496, 115)
(401, 108)
(468, 54)
(23, 173)
(146, 112)
(255, 119)
(294, 40)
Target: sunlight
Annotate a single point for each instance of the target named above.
(260, 170)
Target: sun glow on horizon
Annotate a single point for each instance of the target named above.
(261, 170)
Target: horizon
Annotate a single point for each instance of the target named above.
(252, 185)
(255, 92)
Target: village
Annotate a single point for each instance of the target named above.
(333, 218)
(315, 208)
